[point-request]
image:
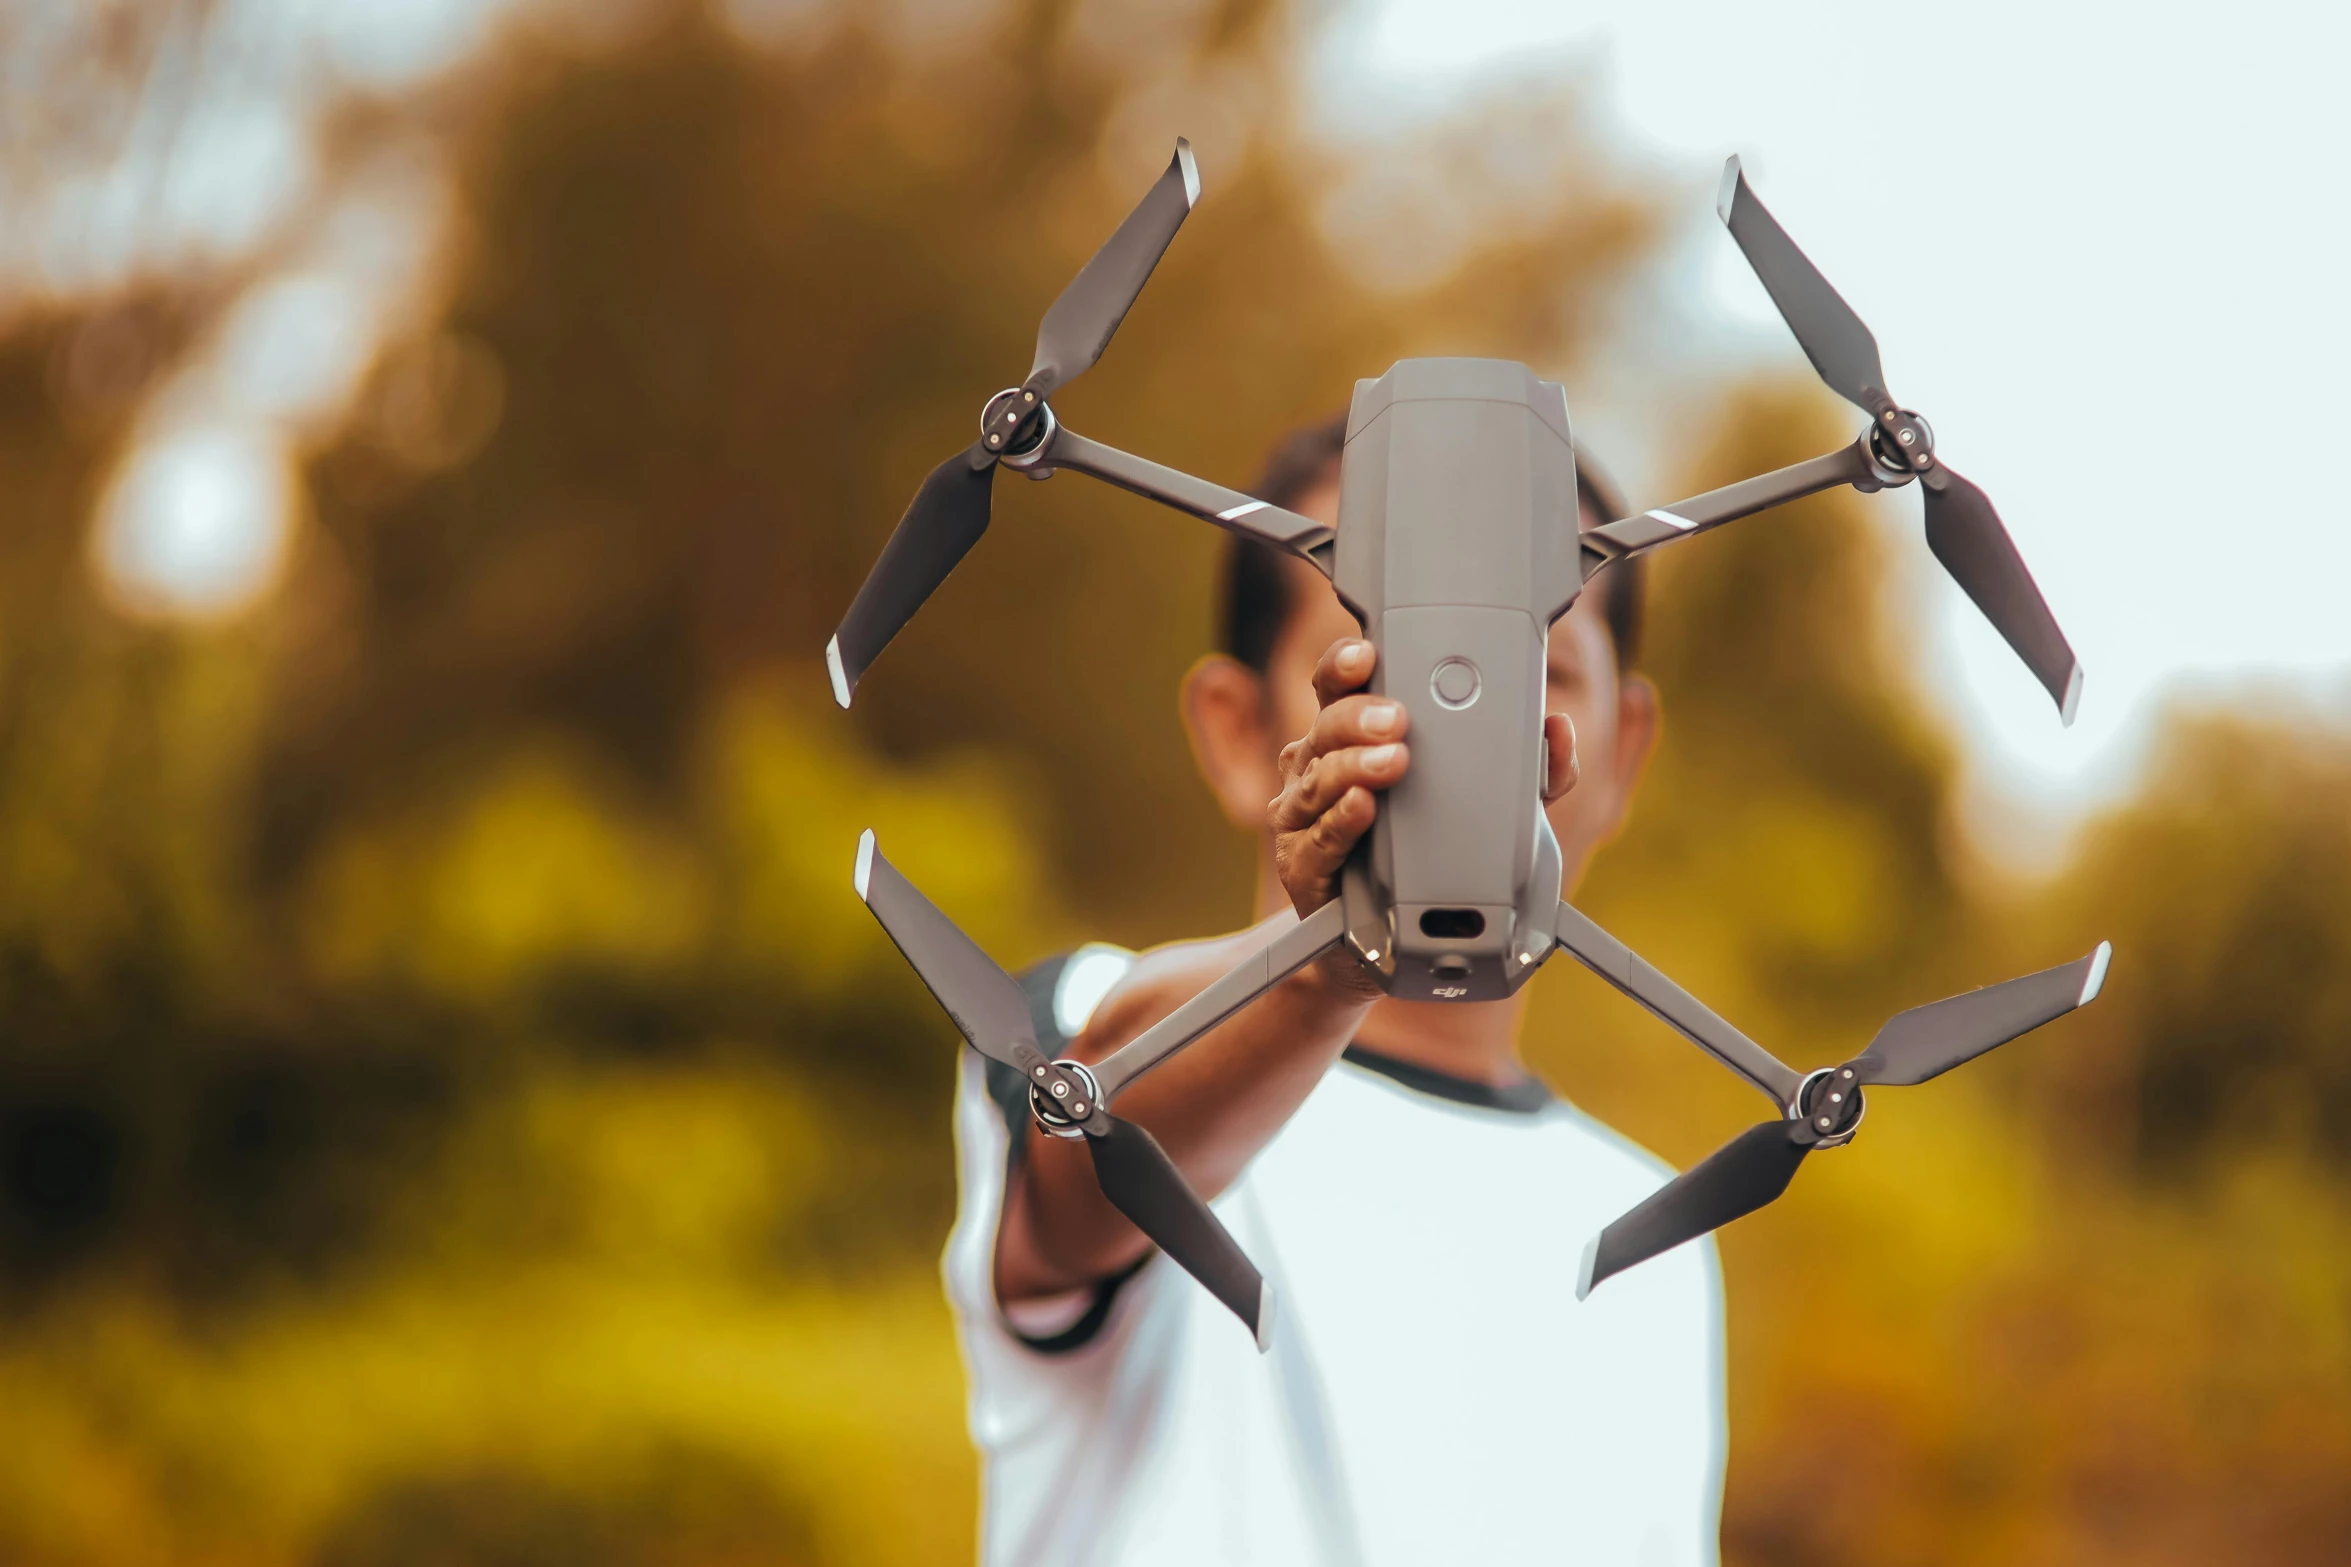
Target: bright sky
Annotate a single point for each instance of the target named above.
(2104, 251)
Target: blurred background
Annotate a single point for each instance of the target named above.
(436, 441)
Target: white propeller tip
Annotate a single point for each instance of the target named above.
(2097, 978)
(2073, 697)
(1191, 173)
(832, 665)
(1728, 193)
(1583, 1278)
(864, 873)
(1265, 1315)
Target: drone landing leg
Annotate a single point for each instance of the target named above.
(1684, 1013)
(1630, 536)
(1252, 977)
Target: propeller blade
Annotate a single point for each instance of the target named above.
(945, 519)
(1735, 1180)
(1925, 1042)
(1079, 326)
(985, 1002)
(1144, 1184)
(1840, 347)
(1965, 533)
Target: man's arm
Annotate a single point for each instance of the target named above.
(1215, 1104)
(1212, 1106)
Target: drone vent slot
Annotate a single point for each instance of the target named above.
(1452, 924)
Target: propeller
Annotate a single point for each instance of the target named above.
(1143, 1183)
(990, 1012)
(1962, 528)
(986, 1003)
(1756, 1166)
(950, 511)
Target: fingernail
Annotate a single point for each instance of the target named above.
(1355, 655)
(1380, 718)
(1381, 757)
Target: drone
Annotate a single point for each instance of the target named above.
(1459, 545)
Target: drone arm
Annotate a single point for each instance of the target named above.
(1684, 1013)
(1252, 977)
(1228, 509)
(1631, 536)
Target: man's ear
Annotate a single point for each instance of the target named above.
(1637, 723)
(1225, 718)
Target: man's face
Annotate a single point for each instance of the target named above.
(1614, 717)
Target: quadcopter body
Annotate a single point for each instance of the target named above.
(1457, 548)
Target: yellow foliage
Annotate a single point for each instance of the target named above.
(789, 796)
(530, 869)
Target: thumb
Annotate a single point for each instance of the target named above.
(1559, 774)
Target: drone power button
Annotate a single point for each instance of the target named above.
(1454, 683)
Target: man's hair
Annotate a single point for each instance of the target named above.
(1254, 601)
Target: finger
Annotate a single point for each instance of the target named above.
(1314, 791)
(1559, 739)
(1332, 837)
(1353, 721)
(1350, 721)
(1317, 853)
(1346, 664)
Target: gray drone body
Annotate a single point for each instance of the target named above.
(1457, 547)
(1459, 543)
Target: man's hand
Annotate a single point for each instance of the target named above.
(1217, 1103)
(1356, 749)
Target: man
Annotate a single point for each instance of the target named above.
(1419, 1201)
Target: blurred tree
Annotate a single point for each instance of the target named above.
(436, 933)
(2226, 885)
(151, 1105)
(738, 306)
